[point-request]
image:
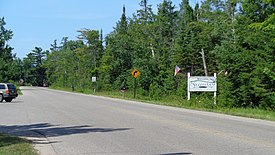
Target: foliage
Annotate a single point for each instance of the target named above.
(10, 66)
(34, 72)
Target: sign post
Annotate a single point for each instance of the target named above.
(203, 84)
(188, 87)
(135, 74)
(94, 81)
(215, 92)
(135, 88)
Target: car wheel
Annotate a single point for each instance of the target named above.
(8, 99)
(1, 98)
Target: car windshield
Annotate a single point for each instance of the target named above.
(11, 86)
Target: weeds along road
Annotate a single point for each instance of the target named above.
(84, 124)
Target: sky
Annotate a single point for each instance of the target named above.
(37, 23)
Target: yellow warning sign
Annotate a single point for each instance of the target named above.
(135, 73)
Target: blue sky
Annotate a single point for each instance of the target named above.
(37, 23)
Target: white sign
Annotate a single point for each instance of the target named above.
(93, 79)
(21, 81)
(202, 83)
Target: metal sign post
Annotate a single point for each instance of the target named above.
(188, 87)
(135, 88)
(135, 74)
(215, 92)
(94, 81)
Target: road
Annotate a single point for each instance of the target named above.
(77, 124)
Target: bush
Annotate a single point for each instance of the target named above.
(156, 91)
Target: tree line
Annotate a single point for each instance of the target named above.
(236, 38)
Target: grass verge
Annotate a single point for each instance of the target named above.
(195, 104)
(12, 145)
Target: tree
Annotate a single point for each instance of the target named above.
(142, 40)
(94, 47)
(163, 49)
(33, 68)
(267, 25)
(145, 14)
(186, 13)
(64, 65)
(188, 41)
(9, 65)
(246, 55)
(118, 47)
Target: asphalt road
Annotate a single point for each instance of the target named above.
(76, 124)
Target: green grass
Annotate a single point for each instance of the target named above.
(249, 112)
(196, 104)
(10, 145)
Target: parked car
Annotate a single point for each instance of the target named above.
(8, 92)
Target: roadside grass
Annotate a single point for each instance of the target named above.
(175, 101)
(249, 112)
(11, 145)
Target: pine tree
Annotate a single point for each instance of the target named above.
(245, 55)
(163, 49)
(34, 71)
(8, 64)
(189, 40)
(142, 34)
(118, 47)
(145, 14)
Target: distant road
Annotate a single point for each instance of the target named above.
(76, 124)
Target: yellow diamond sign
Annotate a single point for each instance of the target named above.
(135, 73)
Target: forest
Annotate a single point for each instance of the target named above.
(236, 37)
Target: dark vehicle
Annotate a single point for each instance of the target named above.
(8, 92)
